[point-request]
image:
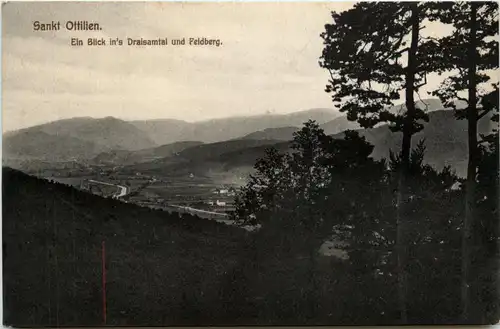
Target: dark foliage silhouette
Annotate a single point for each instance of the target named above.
(332, 188)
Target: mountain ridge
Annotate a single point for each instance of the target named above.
(165, 131)
(113, 140)
(81, 137)
(444, 147)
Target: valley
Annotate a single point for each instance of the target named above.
(200, 174)
(148, 190)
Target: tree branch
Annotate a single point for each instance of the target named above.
(425, 104)
(331, 75)
(423, 83)
(430, 38)
(396, 46)
(463, 100)
(402, 51)
(480, 116)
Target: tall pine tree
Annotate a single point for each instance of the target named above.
(469, 53)
(373, 53)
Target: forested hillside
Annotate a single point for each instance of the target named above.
(161, 269)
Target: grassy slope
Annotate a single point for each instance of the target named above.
(52, 237)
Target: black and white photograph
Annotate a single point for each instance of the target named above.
(250, 163)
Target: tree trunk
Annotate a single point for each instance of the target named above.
(471, 166)
(401, 238)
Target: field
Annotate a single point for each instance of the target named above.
(156, 190)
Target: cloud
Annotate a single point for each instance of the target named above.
(268, 61)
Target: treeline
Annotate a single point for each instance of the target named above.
(432, 235)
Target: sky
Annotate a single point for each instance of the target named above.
(267, 63)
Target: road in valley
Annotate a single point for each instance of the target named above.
(122, 192)
(217, 216)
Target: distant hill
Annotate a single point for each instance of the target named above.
(203, 160)
(74, 138)
(110, 140)
(36, 144)
(216, 130)
(124, 157)
(85, 138)
(165, 131)
(446, 141)
(336, 125)
(283, 134)
(248, 157)
(339, 124)
(215, 150)
(428, 104)
(52, 244)
(109, 131)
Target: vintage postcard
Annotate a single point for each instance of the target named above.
(279, 163)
